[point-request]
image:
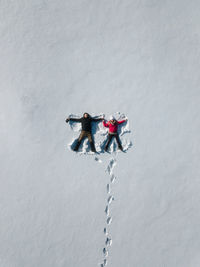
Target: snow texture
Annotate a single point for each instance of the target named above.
(140, 58)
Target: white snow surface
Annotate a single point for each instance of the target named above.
(138, 58)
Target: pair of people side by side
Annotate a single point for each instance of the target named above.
(86, 131)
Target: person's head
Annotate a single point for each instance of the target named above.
(86, 115)
(112, 119)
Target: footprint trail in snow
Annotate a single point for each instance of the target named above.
(110, 199)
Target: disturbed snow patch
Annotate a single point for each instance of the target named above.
(100, 133)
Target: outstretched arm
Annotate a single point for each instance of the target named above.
(105, 124)
(96, 120)
(120, 122)
(73, 119)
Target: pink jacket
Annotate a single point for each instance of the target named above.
(112, 127)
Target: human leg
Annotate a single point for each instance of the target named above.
(110, 136)
(118, 142)
(80, 139)
(91, 140)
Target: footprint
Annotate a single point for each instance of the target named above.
(113, 178)
(109, 220)
(108, 188)
(108, 241)
(110, 199)
(107, 210)
(104, 263)
(105, 231)
(105, 252)
(111, 166)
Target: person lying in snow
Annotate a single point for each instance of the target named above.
(113, 127)
(86, 123)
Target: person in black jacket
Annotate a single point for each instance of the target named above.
(86, 123)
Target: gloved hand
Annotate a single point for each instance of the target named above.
(67, 120)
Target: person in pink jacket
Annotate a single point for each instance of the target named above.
(113, 127)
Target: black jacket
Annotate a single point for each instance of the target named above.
(86, 123)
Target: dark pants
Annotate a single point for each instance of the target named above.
(110, 137)
(82, 136)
